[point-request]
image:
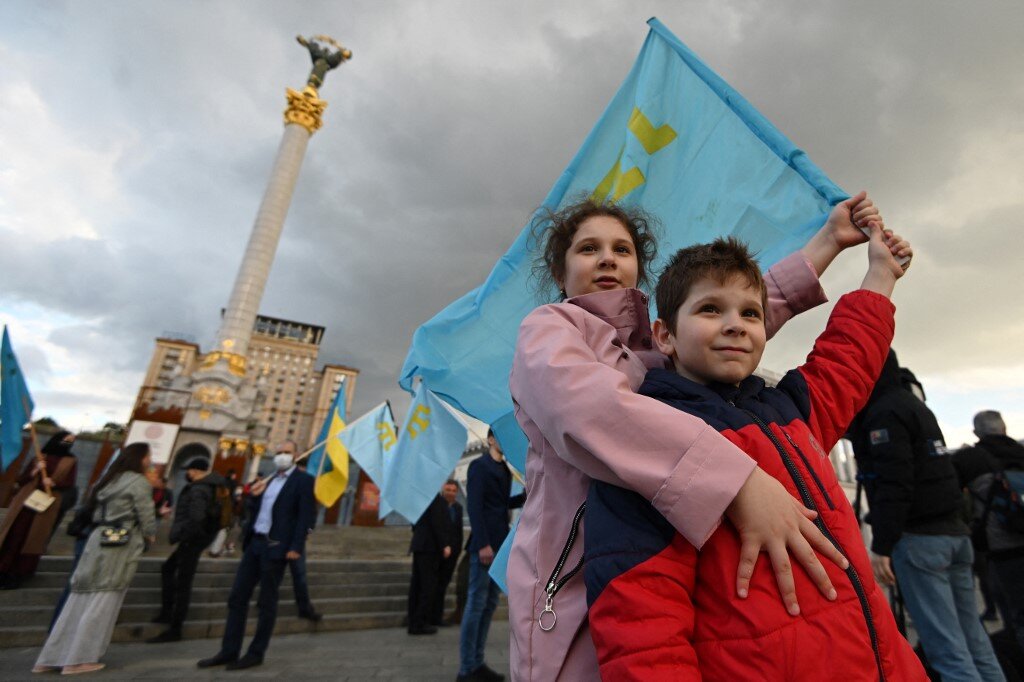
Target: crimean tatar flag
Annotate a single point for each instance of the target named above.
(329, 462)
(15, 404)
(429, 446)
(371, 440)
(676, 140)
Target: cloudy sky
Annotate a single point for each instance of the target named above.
(136, 140)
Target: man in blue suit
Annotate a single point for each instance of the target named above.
(488, 499)
(283, 510)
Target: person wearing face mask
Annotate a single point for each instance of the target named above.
(196, 522)
(283, 510)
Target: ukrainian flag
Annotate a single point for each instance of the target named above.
(329, 461)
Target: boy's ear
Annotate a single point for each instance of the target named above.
(663, 337)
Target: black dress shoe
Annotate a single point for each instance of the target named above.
(423, 630)
(220, 658)
(247, 661)
(171, 635)
(486, 674)
(312, 616)
(162, 619)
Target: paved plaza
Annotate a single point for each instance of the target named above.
(388, 654)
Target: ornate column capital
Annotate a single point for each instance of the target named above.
(305, 109)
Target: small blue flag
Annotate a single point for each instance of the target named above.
(676, 140)
(371, 440)
(429, 447)
(15, 403)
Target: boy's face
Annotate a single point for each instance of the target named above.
(719, 334)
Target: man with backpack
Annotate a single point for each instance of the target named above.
(993, 472)
(197, 519)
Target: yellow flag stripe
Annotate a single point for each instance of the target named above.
(331, 484)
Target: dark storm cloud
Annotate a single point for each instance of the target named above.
(448, 127)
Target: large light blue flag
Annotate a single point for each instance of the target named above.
(371, 441)
(676, 140)
(15, 403)
(429, 447)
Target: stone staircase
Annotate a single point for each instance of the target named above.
(358, 579)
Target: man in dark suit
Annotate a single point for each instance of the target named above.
(430, 548)
(282, 509)
(449, 492)
(488, 498)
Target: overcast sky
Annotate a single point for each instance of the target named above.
(136, 140)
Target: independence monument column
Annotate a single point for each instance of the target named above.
(302, 118)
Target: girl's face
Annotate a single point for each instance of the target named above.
(601, 258)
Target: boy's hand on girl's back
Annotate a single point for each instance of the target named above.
(768, 519)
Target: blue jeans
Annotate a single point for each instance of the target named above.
(937, 582)
(481, 601)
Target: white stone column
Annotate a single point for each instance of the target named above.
(240, 315)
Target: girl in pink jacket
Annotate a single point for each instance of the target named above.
(576, 368)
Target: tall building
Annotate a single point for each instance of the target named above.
(294, 396)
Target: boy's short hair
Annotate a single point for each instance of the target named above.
(719, 260)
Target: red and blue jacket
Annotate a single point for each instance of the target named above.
(661, 610)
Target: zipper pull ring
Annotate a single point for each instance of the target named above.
(541, 621)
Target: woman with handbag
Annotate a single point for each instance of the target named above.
(25, 532)
(124, 524)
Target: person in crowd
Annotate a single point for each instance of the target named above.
(576, 366)
(488, 499)
(196, 520)
(430, 547)
(163, 498)
(283, 510)
(219, 546)
(24, 533)
(919, 537)
(658, 610)
(122, 513)
(982, 469)
(453, 524)
(297, 567)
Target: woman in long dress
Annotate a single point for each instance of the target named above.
(24, 533)
(124, 498)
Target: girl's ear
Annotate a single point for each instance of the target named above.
(663, 338)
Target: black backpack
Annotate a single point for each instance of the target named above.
(1006, 500)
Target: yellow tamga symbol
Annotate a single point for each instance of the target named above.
(419, 421)
(386, 435)
(618, 183)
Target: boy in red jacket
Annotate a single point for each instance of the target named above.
(658, 609)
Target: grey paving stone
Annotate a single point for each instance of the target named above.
(388, 654)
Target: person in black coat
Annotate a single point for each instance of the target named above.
(919, 535)
(282, 509)
(196, 522)
(430, 547)
(449, 491)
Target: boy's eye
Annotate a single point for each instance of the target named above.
(752, 312)
(708, 308)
